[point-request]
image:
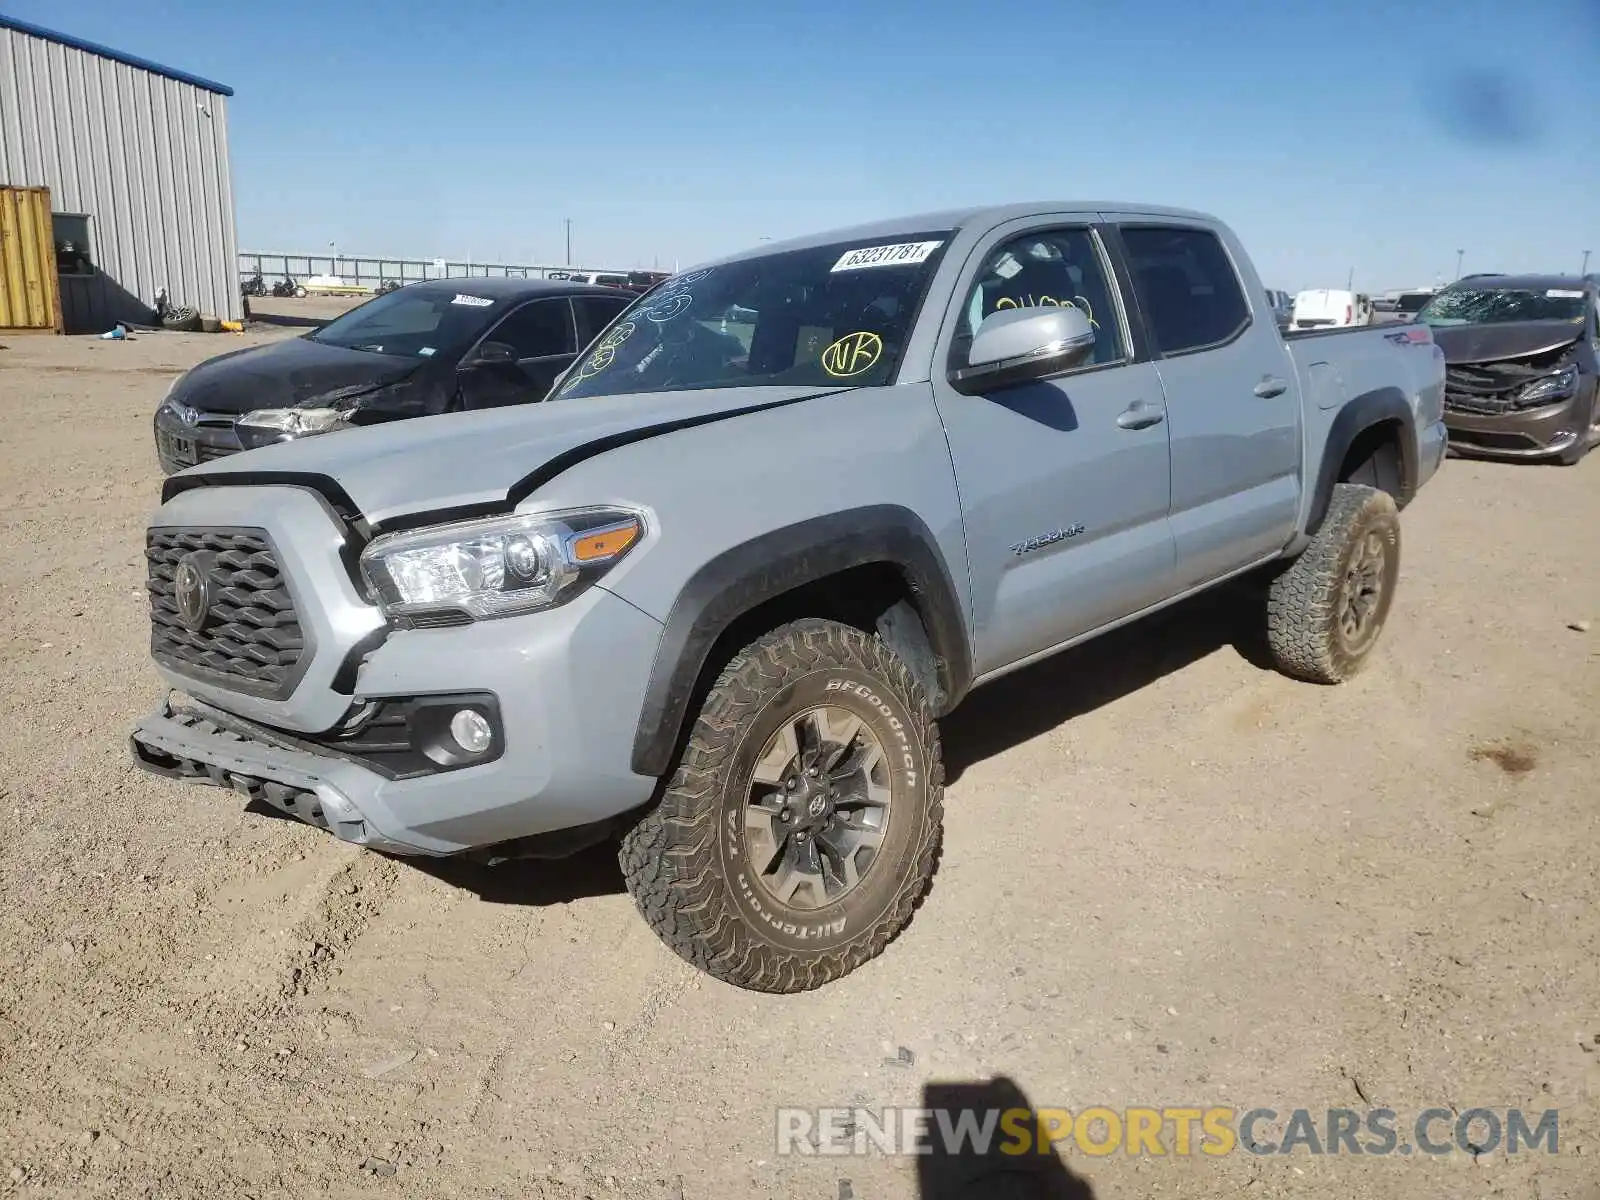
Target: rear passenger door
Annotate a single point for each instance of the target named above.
(1064, 482)
(1233, 403)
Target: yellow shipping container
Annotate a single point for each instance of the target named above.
(30, 292)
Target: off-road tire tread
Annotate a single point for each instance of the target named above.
(670, 860)
(1300, 599)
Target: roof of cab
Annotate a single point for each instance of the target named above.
(956, 219)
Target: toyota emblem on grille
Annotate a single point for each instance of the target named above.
(192, 590)
(186, 414)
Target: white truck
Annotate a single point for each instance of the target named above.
(1330, 308)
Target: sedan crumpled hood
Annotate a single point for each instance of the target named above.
(284, 374)
(475, 458)
(1464, 344)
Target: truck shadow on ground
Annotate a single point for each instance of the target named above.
(1036, 699)
(533, 882)
(995, 1171)
(991, 721)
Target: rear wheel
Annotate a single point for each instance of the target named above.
(801, 827)
(1326, 610)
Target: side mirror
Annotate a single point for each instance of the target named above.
(493, 352)
(1020, 345)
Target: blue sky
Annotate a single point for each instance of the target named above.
(1375, 136)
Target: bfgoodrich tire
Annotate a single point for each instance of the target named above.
(1326, 611)
(801, 827)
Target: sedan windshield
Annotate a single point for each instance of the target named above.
(827, 315)
(413, 324)
(1495, 306)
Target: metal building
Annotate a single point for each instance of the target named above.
(136, 159)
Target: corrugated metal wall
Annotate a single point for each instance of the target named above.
(29, 295)
(144, 156)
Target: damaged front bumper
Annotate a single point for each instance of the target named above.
(181, 444)
(1529, 433)
(197, 745)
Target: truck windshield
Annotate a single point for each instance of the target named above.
(826, 315)
(1494, 306)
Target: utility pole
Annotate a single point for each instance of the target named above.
(1459, 255)
(1584, 270)
(1350, 280)
(569, 241)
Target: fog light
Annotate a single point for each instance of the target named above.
(471, 730)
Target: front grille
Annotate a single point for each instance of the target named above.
(175, 449)
(250, 639)
(205, 452)
(1489, 389)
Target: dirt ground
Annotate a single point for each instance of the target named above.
(1171, 877)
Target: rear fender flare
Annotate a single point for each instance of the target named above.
(740, 579)
(1360, 414)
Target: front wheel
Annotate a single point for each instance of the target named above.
(802, 825)
(1326, 610)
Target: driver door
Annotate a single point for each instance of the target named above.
(1065, 482)
(518, 360)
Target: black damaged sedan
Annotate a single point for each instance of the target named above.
(439, 346)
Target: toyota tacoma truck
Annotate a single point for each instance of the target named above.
(787, 511)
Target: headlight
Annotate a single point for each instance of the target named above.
(295, 421)
(1552, 387)
(501, 566)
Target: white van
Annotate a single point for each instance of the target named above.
(1326, 308)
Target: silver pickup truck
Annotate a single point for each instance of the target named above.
(781, 516)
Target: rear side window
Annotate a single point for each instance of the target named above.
(595, 313)
(1186, 286)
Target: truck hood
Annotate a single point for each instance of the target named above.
(1464, 344)
(491, 457)
(295, 371)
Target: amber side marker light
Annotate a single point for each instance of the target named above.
(604, 543)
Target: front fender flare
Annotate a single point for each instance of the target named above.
(745, 576)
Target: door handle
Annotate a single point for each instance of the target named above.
(1271, 386)
(1140, 415)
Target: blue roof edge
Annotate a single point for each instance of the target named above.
(132, 60)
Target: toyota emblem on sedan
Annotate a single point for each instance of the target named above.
(192, 588)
